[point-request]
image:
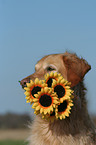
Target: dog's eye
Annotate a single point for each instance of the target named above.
(50, 68)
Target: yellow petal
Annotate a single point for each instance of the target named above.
(55, 97)
(51, 74)
(35, 104)
(44, 85)
(35, 100)
(67, 87)
(31, 100)
(69, 111)
(42, 90)
(54, 105)
(29, 85)
(54, 83)
(39, 93)
(56, 110)
(41, 81)
(69, 83)
(46, 89)
(61, 117)
(43, 116)
(36, 95)
(51, 108)
(60, 78)
(56, 102)
(38, 108)
(27, 97)
(33, 107)
(55, 74)
(56, 115)
(71, 104)
(48, 110)
(45, 111)
(50, 91)
(58, 74)
(27, 93)
(28, 101)
(41, 110)
(66, 113)
(36, 112)
(62, 81)
(31, 82)
(27, 89)
(46, 76)
(61, 100)
(66, 82)
(72, 96)
(36, 81)
(69, 107)
(68, 92)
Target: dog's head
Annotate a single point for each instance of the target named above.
(69, 65)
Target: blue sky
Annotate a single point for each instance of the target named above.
(31, 29)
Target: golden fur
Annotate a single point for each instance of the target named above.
(78, 129)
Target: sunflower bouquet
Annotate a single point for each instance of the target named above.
(52, 97)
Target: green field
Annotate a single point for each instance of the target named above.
(12, 142)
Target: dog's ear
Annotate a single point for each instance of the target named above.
(76, 68)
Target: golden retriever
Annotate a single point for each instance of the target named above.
(78, 128)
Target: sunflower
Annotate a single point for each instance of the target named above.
(49, 78)
(45, 101)
(62, 88)
(52, 97)
(64, 109)
(33, 88)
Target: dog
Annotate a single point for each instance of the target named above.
(77, 129)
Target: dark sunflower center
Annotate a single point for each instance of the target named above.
(35, 90)
(45, 100)
(49, 82)
(62, 107)
(60, 91)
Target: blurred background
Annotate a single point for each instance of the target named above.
(30, 30)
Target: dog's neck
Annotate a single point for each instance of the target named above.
(77, 127)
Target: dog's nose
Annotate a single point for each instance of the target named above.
(24, 81)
